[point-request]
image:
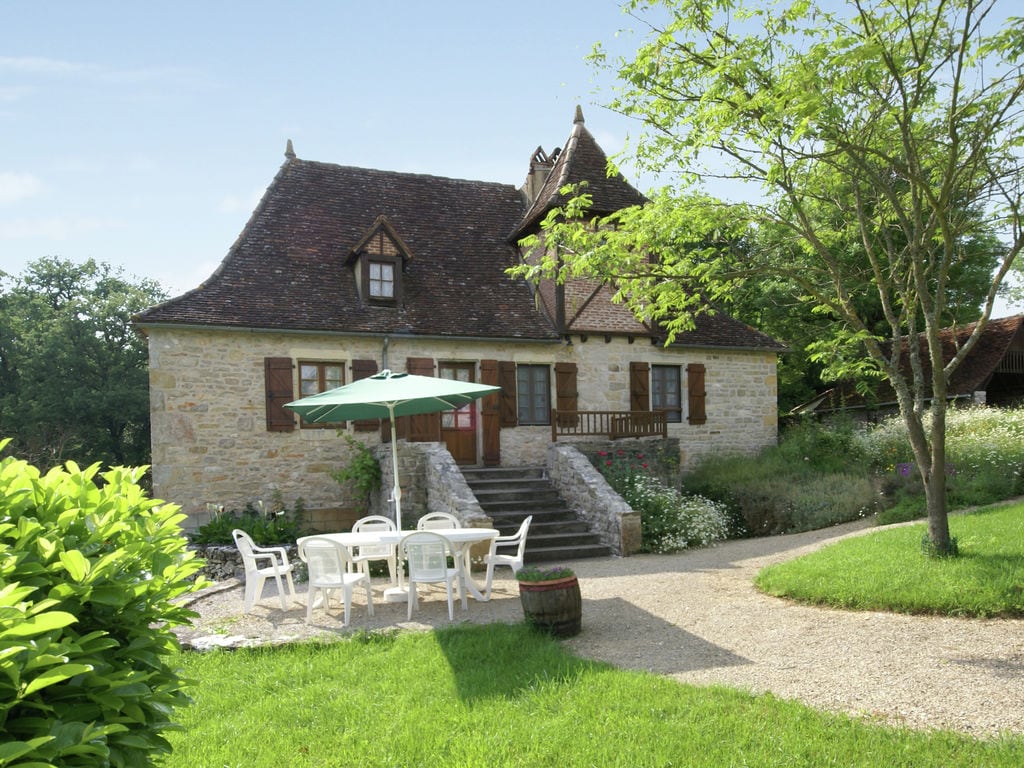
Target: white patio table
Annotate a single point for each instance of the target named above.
(461, 539)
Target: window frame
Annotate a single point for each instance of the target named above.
(394, 263)
(322, 382)
(529, 392)
(674, 412)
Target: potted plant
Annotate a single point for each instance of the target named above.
(550, 596)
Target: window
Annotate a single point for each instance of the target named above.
(665, 391)
(533, 383)
(319, 377)
(382, 280)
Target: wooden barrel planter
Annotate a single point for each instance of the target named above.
(553, 606)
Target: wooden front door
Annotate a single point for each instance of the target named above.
(458, 427)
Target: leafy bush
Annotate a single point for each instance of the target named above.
(267, 525)
(362, 472)
(89, 567)
(984, 454)
(817, 476)
(669, 520)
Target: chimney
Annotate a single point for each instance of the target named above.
(540, 167)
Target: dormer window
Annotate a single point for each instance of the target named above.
(378, 261)
(382, 280)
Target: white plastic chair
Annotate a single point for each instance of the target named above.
(512, 559)
(433, 521)
(328, 564)
(370, 552)
(257, 575)
(427, 554)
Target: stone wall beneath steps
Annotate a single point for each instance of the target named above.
(589, 495)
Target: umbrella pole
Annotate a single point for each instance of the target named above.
(397, 594)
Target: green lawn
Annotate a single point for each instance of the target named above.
(885, 570)
(502, 695)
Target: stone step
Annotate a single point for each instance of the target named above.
(509, 494)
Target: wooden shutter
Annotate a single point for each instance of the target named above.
(425, 428)
(277, 376)
(509, 401)
(362, 369)
(490, 409)
(696, 393)
(639, 386)
(566, 391)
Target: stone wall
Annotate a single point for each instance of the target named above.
(431, 482)
(211, 445)
(589, 495)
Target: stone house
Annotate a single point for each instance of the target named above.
(343, 271)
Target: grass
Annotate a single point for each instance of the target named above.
(887, 571)
(503, 695)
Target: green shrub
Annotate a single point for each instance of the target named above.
(89, 567)
(773, 493)
(267, 525)
(670, 521)
(363, 472)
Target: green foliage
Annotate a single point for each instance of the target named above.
(812, 479)
(74, 382)
(362, 472)
(884, 170)
(501, 695)
(544, 573)
(984, 459)
(670, 521)
(889, 570)
(89, 572)
(267, 525)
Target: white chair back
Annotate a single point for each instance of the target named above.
(325, 559)
(427, 554)
(374, 524)
(438, 521)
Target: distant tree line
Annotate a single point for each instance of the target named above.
(74, 381)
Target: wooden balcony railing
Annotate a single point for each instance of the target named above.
(610, 424)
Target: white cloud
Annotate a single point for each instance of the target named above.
(12, 93)
(18, 186)
(38, 65)
(53, 227)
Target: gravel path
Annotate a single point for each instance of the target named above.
(697, 618)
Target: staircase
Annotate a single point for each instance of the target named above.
(508, 494)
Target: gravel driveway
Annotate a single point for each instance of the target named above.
(697, 618)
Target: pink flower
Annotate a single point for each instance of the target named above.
(602, 453)
(608, 463)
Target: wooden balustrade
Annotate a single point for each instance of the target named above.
(610, 424)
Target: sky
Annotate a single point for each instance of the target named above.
(143, 134)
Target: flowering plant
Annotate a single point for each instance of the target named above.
(670, 521)
(548, 573)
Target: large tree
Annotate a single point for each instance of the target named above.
(883, 143)
(74, 382)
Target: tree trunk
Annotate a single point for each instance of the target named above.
(935, 485)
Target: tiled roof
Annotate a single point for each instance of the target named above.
(581, 159)
(291, 268)
(288, 268)
(972, 375)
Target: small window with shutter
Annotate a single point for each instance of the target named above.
(316, 377)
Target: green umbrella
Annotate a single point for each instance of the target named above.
(387, 395)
